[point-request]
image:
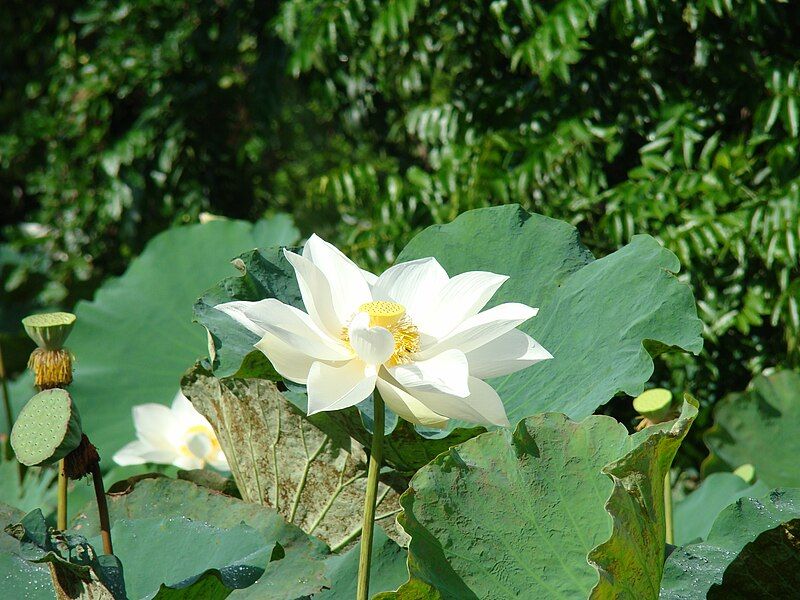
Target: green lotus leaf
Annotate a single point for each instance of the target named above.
(262, 274)
(154, 553)
(340, 572)
(387, 569)
(751, 552)
(555, 509)
(85, 574)
(694, 515)
(80, 571)
(208, 586)
(596, 316)
(24, 579)
(413, 589)
(136, 338)
(759, 427)
(211, 480)
(280, 459)
(294, 564)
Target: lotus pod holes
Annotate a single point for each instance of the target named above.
(47, 429)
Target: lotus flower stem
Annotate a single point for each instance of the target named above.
(6, 398)
(668, 508)
(102, 509)
(61, 521)
(375, 456)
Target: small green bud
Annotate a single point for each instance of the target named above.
(654, 405)
(47, 429)
(49, 330)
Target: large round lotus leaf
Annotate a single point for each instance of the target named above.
(595, 317)
(558, 509)
(694, 515)
(760, 427)
(179, 550)
(47, 429)
(751, 552)
(136, 338)
(300, 565)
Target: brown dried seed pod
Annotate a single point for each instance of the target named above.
(80, 462)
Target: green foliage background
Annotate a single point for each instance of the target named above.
(369, 121)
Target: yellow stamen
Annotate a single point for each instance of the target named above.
(51, 368)
(392, 316)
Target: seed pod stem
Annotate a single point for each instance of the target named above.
(102, 509)
(61, 521)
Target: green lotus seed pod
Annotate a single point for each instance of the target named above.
(746, 472)
(47, 429)
(654, 405)
(49, 330)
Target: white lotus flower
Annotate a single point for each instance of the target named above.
(414, 333)
(178, 436)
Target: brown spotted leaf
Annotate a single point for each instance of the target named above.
(281, 460)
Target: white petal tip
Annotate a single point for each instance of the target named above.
(224, 308)
(460, 393)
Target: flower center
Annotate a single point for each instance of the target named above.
(383, 313)
(391, 316)
(200, 442)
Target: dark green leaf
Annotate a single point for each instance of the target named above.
(751, 552)
(748, 426)
(694, 515)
